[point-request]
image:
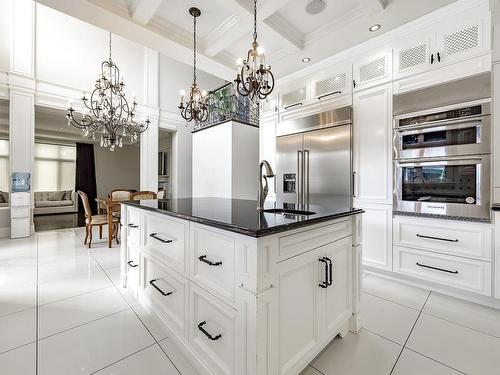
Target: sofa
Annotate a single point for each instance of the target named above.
(55, 202)
(4, 199)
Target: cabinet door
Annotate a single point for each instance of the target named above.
(458, 41)
(372, 144)
(332, 82)
(294, 98)
(267, 133)
(298, 315)
(269, 106)
(337, 295)
(377, 235)
(371, 70)
(497, 254)
(413, 55)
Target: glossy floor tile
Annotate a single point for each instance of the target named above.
(387, 319)
(55, 290)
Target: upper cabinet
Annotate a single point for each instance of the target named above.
(269, 106)
(441, 45)
(332, 82)
(294, 98)
(372, 69)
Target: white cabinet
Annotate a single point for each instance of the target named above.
(332, 82)
(497, 254)
(294, 97)
(267, 147)
(372, 69)
(377, 235)
(268, 106)
(372, 132)
(440, 45)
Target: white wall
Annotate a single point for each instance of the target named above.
(69, 52)
(5, 19)
(117, 169)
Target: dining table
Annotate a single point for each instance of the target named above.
(110, 205)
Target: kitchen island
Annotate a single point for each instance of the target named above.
(242, 290)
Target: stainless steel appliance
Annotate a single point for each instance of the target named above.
(314, 159)
(442, 161)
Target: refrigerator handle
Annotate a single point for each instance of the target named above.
(300, 171)
(306, 177)
(354, 184)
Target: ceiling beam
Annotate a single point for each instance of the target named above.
(143, 10)
(372, 6)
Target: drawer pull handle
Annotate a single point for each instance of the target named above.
(133, 226)
(326, 95)
(203, 258)
(330, 273)
(435, 268)
(213, 338)
(437, 238)
(324, 284)
(152, 282)
(155, 236)
(131, 264)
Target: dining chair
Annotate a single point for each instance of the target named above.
(142, 195)
(95, 220)
(160, 194)
(119, 194)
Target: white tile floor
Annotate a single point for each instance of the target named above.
(62, 312)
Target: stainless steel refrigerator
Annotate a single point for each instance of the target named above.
(314, 160)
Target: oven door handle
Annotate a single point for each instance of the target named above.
(433, 127)
(440, 123)
(431, 161)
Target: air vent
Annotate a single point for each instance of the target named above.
(462, 40)
(412, 57)
(294, 97)
(373, 70)
(330, 84)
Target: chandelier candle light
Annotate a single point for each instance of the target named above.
(196, 108)
(254, 76)
(107, 113)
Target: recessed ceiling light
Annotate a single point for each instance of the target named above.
(315, 6)
(306, 59)
(375, 27)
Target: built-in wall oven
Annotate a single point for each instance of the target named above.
(442, 161)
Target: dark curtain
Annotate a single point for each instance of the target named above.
(85, 174)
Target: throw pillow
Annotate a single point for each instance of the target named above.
(2, 199)
(56, 195)
(67, 195)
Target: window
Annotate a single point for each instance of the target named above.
(4, 165)
(54, 167)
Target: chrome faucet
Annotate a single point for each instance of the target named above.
(264, 187)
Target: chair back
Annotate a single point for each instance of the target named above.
(161, 194)
(86, 205)
(142, 195)
(119, 195)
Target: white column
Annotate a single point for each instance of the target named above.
(149, 139)
(22, 90)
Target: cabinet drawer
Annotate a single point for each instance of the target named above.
(166, 239)
(213, 332)
(305, 240)
(455, 272)
(133, 226)
(470, 240)
(213, 261)
(133, 267)
(168, 294)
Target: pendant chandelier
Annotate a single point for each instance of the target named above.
(254, 76)
(107, 113)
(196, 108)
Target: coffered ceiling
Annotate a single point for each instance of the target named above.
(287, 32)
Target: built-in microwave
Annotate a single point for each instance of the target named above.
(448, 131)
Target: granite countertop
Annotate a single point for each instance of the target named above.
(241, 216)
(495, 206)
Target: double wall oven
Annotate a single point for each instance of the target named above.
(442, 161)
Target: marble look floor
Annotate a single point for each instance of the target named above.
(62, 311)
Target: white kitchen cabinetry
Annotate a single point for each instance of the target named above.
(497, 254)
(372, 69)
(267, 147)
(295, 97)
(441, 45)
(250, 305)
(335, 81)
(377, 235)
(372, 137)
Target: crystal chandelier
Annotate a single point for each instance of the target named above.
(196, 107)
(254, 76)
(107, 113)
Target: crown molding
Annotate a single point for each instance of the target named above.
(285, 29)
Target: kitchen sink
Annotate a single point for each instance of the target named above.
(285, 211)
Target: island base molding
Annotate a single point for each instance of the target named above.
(236, 304)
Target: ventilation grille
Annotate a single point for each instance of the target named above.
(462, 40)
(413, 57)
(373, 70)
(330, 84)
(294, 97)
